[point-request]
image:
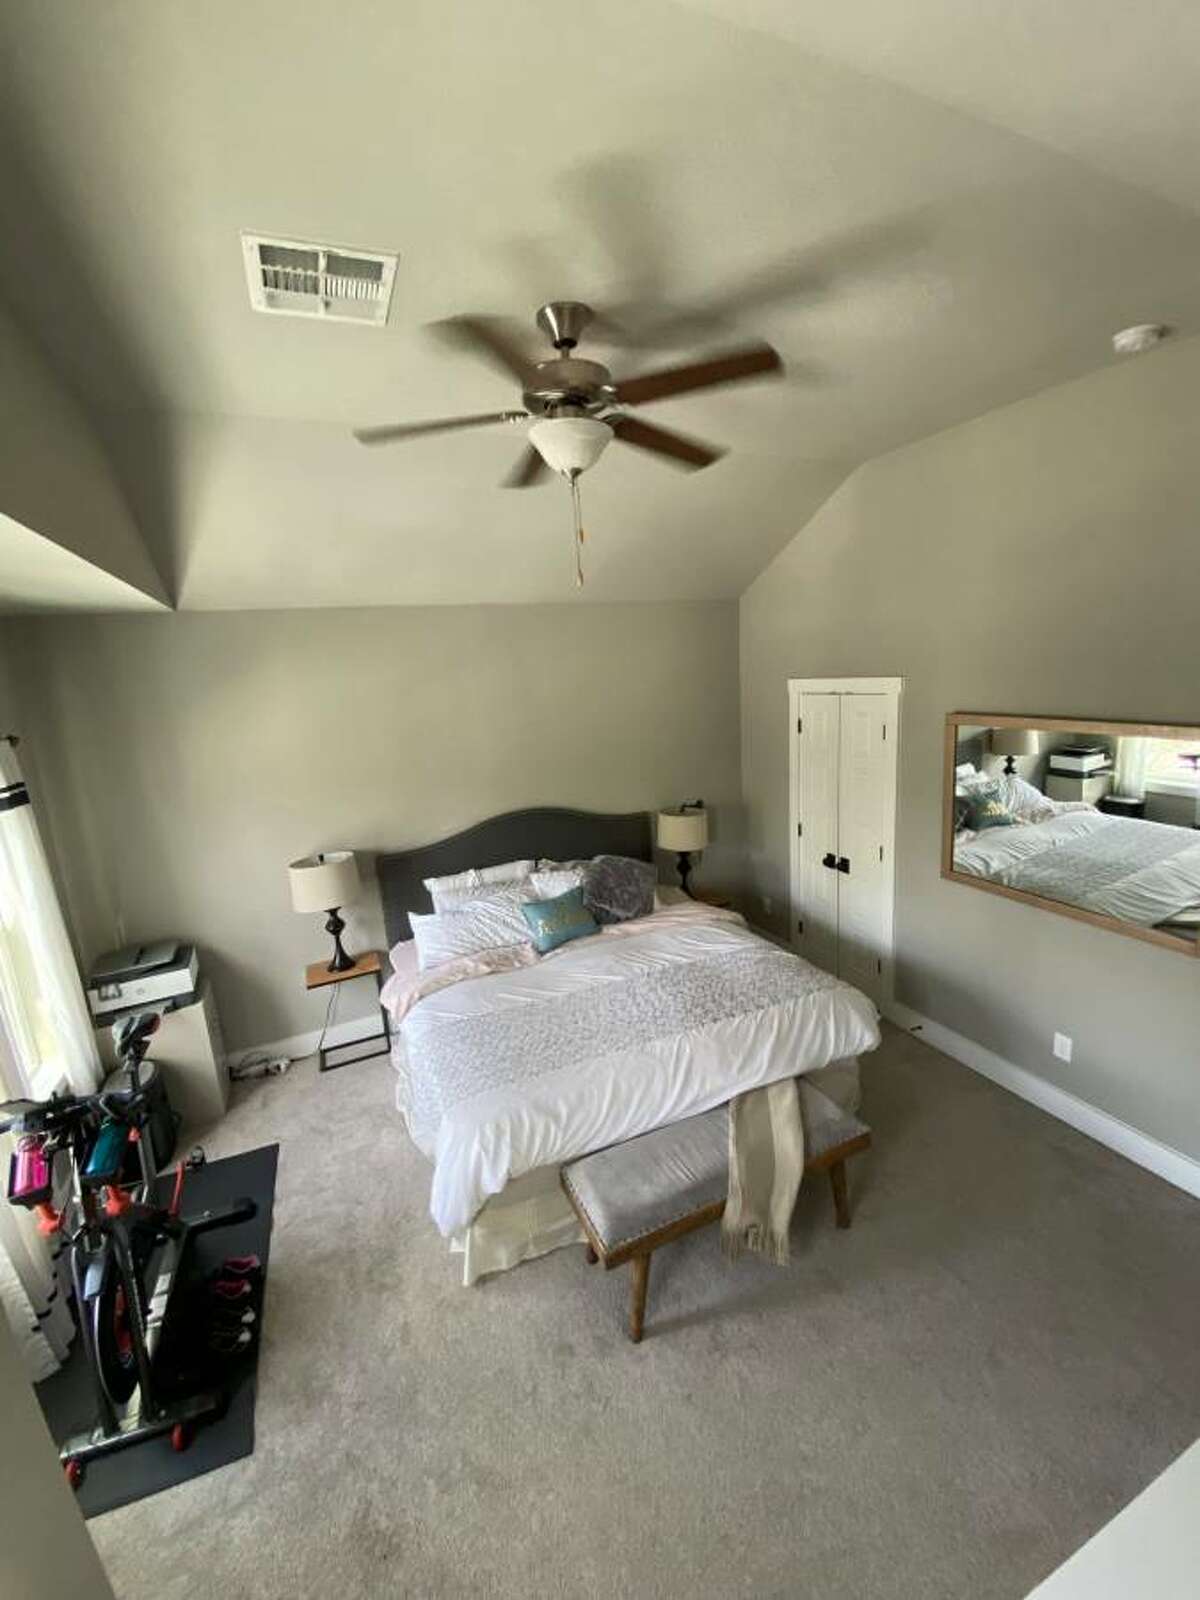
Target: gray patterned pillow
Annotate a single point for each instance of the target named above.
(616, 888)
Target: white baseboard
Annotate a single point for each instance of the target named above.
(1162, 1159)
(300, 1045)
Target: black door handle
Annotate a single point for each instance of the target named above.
(843, 864)
(829, 860)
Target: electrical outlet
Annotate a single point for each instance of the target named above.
(1063, 1045)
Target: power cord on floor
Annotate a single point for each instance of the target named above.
(261, 1064)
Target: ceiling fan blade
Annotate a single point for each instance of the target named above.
(708, 374)
(688, 452)
(836, 264)
(413, 430)
(530, 469)
(487, 337)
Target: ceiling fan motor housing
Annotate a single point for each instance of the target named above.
(569, 381)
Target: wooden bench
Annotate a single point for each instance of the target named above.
(635, 1196)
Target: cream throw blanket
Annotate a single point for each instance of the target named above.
(766, 1164)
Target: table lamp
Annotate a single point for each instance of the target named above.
(684, 830)
(1011, 742)
(326, 882)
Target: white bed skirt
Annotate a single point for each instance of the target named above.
(532, 1216)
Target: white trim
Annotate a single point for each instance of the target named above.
(892, 686)
(300, 1045)
(1141, 1148)
(892, 689)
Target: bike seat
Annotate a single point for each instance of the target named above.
(132, 1034)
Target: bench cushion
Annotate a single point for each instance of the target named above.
(632, 1190)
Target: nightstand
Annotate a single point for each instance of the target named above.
(318, 976)
(713, 897)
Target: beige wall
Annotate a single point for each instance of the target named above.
(45, 1551)
(185, 759)
(54, 477)
(1044, 558)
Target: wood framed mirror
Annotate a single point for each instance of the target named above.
(1097, 821)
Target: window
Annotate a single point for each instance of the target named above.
(26, 1012)
(1174, 766)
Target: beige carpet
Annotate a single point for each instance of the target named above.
(943, 1402)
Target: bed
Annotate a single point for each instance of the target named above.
(1143, 872)
(505, 1074)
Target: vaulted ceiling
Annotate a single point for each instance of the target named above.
(930, 209)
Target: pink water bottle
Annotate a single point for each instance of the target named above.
(29, 1176)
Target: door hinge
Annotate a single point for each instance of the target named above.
(881, 852)
(799, 830)
(800, 925)
(799, 724)
(879, 968)
(885, 733)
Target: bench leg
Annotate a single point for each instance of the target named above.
(841, 1201)
(638, 1284)
(592, 1257)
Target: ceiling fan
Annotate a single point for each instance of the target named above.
(568, 389)
(576, 406)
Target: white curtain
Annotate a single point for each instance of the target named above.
(1132, 767)
(46, 1042)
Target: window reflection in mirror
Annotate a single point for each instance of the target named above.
(1103, 818)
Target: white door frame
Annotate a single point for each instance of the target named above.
(891, 689)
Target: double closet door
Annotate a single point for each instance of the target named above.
(844, 784)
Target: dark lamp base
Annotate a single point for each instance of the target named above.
(342, 962)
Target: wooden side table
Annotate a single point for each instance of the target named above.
(713, 897)
(318, 976)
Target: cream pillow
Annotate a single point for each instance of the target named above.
(491, 921)
(457, 888)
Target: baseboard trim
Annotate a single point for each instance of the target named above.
(1142, 1148)
(300, 1045)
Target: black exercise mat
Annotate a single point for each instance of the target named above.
(67, 1399)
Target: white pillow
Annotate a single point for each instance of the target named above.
(549, 885)
(448, 893)
(966, 782)
(1025, 800)
(490, 922)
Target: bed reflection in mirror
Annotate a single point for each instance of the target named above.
(1095, 820)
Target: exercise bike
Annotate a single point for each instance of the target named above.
(127, 1252)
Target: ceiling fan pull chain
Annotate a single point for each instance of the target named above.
(579, 535)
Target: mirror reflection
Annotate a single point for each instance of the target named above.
(1099, 818)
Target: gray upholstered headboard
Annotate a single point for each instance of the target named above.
(556, 833)
(970, 749)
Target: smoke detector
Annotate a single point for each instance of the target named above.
(1136, 340)
(295, 278)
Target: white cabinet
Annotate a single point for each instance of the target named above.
(844, 800)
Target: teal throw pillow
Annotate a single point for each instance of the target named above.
(986, 809)
(555, 922)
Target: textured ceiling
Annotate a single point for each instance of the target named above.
(916, 260)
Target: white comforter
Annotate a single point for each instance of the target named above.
(484, 1139)
(1142, 872)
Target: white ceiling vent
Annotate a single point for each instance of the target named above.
(297, 279)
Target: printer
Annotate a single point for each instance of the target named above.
(158, 976)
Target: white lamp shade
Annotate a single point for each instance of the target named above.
(683, 831)
(323, 881)
(570, 444)
(1015, 742)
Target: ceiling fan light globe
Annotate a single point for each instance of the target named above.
(570, 444)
